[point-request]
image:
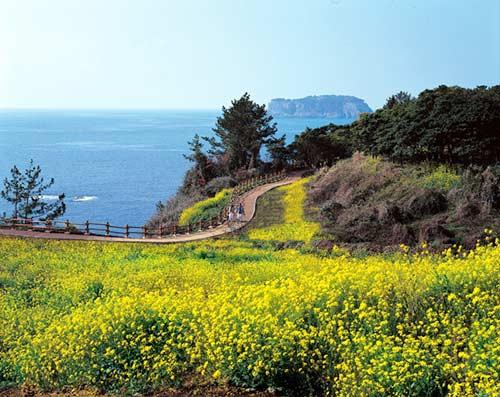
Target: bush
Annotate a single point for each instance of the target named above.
(440, 178)
(353, 180)
(217, 184)
(168, 214)
(425, 202)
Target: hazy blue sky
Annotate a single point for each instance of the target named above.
(200, 53)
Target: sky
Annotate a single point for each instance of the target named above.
(201, 54)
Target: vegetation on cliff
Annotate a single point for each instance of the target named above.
(372, 203)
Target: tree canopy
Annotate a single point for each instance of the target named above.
(445, 124)
(324, 145)
(240, 133)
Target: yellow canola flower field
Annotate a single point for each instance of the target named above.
(205, 209)
(294, 227)
(128, 318)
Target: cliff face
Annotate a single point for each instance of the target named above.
(333, 106)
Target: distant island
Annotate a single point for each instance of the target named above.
(332, 106)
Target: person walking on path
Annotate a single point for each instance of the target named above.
(241, 212)
(230, 214)
(231, 217)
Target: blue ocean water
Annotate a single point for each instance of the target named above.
(112, 165)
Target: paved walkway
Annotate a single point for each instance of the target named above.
(249, 200)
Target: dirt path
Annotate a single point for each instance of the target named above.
(249, 200)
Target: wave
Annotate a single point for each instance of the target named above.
(83, 198)
(49, 197)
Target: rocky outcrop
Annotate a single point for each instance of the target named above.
(331, 106)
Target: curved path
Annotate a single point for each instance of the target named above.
(249, 200)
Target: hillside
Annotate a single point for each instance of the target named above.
(331, 106)
(375, 204)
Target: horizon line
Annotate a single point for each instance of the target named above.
(105, 108)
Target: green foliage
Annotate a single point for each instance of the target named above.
(270, 210)
(444, 125)
(279, 152)
(401, 98)
(217, 184)
(24, 190)
(320, 146)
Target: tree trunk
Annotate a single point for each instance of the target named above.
(251, 163)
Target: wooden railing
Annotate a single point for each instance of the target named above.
(107, 230)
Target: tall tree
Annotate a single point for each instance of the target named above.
(202, 164)
(240, 133)
(24, 190)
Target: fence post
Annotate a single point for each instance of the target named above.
(67, 226)
(107, 229)
(174, 230)
(47, 226)
(126, 231)
(87, 227)
(144, 231)
(160, 230)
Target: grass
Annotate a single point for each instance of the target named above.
(269, 211)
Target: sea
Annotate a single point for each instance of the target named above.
(112, 165)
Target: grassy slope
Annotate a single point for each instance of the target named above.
(269, 211)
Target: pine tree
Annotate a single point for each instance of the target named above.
(25, 191)
(240, 133)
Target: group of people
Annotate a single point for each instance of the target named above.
(236, 212)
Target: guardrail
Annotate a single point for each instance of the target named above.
(107, 230)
